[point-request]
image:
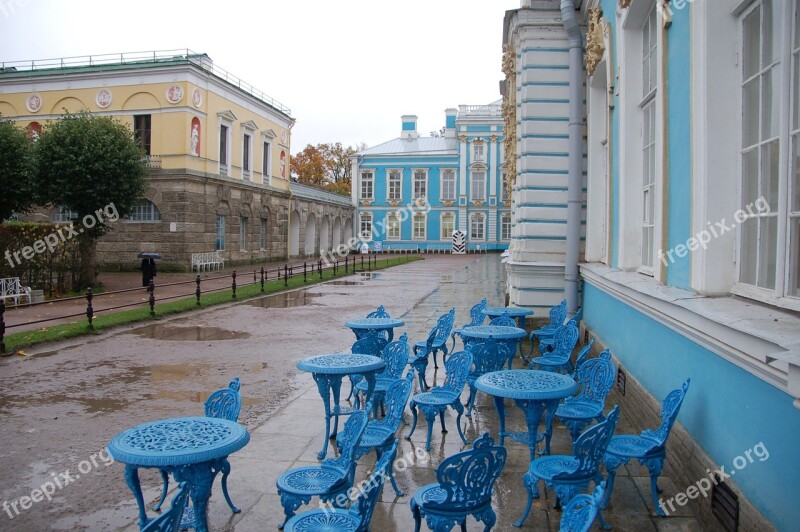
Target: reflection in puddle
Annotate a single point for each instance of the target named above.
(187, 334)
(346, 283)
(297, 298)
(368, 276)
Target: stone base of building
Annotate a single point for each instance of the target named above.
(536, 285)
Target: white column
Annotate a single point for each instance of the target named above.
(494, 160)
(462, 168)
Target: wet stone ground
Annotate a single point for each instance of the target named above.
(62, 404)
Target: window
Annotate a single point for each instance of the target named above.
(367, 185)
(478, 185)
(477, 150)
(504, 192)
(420, 184)
(769, 70)
(505, 226)
(395, 185)
(365, 226)
(144, 211)
(418, 226)
(266, 164)
(448, 225)
(262, 234)
(141, 131)
(224, 145)
(448, 185)
(476, 227)
(247, 149)
(242, 233)
(392, 226)
(220, 230)
(62, 215)
(648, 113)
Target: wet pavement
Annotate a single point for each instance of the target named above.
(62, 405)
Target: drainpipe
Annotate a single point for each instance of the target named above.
(575, 153)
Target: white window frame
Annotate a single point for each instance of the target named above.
(478, 150)
(504, 192)
(416, 173)
(225, 118)
(444, 234)
(415, 235)
(365, 218)
(442, 196)
(266, 160)
(219, 233)
(393, 226)
(247, 156)
(399, 196)
(505, 226)
(474, 186)
(472, 219)
(144, 211)
(367, 177)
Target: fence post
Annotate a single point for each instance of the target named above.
(262, 279)
(197, 292)
(233, 284)
(362, 262)
(304, 271)
(335, 262)
(2, 326)
(319, 267)
(285, 275)
(254, 276)
(152, 290)
(345, 263)
(89, 308)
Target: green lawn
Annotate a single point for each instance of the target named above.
(105, 320)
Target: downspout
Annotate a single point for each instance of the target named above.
(575, 153)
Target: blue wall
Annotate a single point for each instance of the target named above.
(727, 410)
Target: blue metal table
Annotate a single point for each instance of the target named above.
(513, 312)
(534, 392)
(363, 326)
(193, 449)
(494, 333)
(328, 371)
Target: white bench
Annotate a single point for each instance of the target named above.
(10, 288)
(203, 261)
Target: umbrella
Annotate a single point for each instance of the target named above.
(148, 255)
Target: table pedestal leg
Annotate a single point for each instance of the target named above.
(336, 388)
(201, 476)
(533, 413)
(324, 388)
(551, 406)
(501, 415)
(132, 479)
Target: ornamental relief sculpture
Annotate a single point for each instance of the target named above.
(624, 3)
(595, 39)
(509, 112)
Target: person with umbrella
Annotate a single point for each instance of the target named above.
(148, 266)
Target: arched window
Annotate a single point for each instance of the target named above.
(144, 211)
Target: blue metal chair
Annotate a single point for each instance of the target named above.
(596, 377)
(559, 359)
(395, 354)
(581, 510)
(546, 344)
(476, 316)
(583, 356)
(380, 312)
(334, 476)
(570, 475)
(371, 344)
(465, 482)
(557, 316)
(436, 400)
(381, 435)
(505, 320)
(358, 517)
(487, 356)
(649, 447)
(437, 340)
(223, 404)
(170, 521)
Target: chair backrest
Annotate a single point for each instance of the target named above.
(487, 356)
(380, 312)
(443, 327)
(669, 413)
(596, 377)
(371, 344)
(370, 489)
(457, 368)
(225, 403)
(558, 314)
(348, 440)
(396, 399)
(476, 315)
(581, 510)
(170, 521)
(468, 477)
(590, 446)
(564, 341)
(582, 356)
(504, 321)
(395, 354)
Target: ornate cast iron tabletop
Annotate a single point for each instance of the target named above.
(513, 312)
(363, 326)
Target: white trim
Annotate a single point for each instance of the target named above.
(455, 184)
(399, 226)
(414, 196)
(424, 226)
(247, 138)
(225, 118)
(361, 195)
(266, 149)
(361, 216)
(443, 235)
(472, 216)
(388, 185)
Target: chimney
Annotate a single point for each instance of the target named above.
(409, 130)
(450, 122)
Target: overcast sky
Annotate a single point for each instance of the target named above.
(348, 69)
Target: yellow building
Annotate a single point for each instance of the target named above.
(218, 150)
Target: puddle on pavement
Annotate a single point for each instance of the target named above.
(346, 283)
(368, 276)
(285, 300)
(197, 333)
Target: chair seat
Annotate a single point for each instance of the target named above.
(579, 410)
(375, 436)
(547, 467)
(381, 384)
(311, 480)
(550, 361)
(331, 519)
(632, 446)
(544, 332)
(435, 397)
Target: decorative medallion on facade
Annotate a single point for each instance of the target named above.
(197, 98)
(509, 111)
(103, 98)
(394, 203)
(478, 203)
(448, 203)
(365, 203)
(284, 136)
(34, 103)
(174, 94)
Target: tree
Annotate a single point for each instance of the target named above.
(339, 162)
(310, 165)
(325, 166)
(92, 166)
(16, 170)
